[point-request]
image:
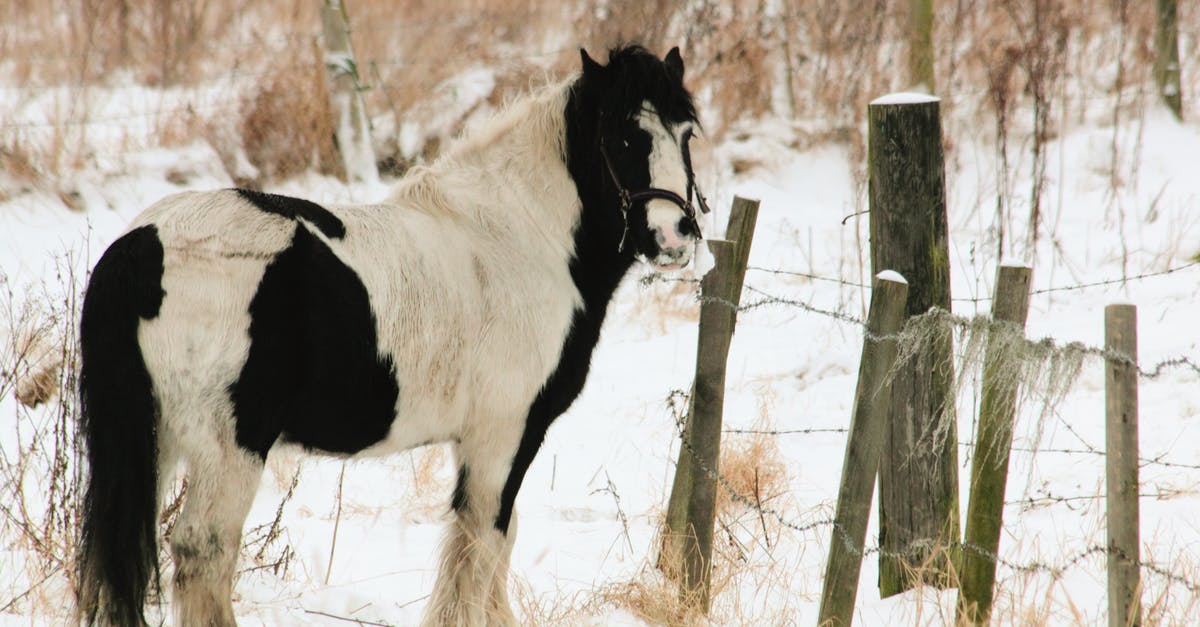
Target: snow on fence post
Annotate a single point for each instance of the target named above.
(687, 538)
(993, 443)
(351, 127)
(1121, 465)
(863, 448)
(918, 473)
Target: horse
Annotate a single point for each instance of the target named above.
(464, 308)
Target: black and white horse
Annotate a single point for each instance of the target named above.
(463, 309)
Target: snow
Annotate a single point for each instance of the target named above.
(610, 459)
(891, 275)
(905, 97)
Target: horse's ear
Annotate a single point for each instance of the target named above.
(674, 63)
(589, 65)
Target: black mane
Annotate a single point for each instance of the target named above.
(633, 75)
(602, 100)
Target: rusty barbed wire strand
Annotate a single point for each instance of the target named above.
(677, 402)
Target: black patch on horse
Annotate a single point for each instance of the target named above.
(314, 374)
(296, 208)
(458, 502)
(603, 105)
(119, 424)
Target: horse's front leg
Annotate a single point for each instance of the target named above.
(472, 584)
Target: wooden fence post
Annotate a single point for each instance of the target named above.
(993, 443)
(918, 478)
(1121, 466)
(352, 128)
(687, 538)
(863, 448)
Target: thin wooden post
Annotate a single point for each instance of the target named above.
(351, 127)
(1166, 56)
(687, 537)
(993, 443)
(920, 46)
(716, 328)
(863, 448)
(918, 474)
(1121, 465)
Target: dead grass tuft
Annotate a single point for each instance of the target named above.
(650, 596)
(427, 494)
(287, 125)
(41, 460)
(754, 469)
(35, 359)
(18, 166)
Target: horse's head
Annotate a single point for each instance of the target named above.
(641, 120)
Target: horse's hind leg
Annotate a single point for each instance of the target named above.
(221, 483)
(472, 584)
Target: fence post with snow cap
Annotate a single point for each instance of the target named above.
(863, 449)
(918, 480)
(989, 466)
(1121, 465)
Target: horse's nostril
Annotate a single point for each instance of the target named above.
(678, 253)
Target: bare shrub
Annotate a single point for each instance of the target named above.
(727, 47)
(40, 459)
(287, 126)
(18, 167)
(37, 374)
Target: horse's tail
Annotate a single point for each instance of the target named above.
(118, 552)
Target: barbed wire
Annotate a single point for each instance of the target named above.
(966, 323)
(977, 299)
(1158, 460)
(785, 431)
(677, 402)
(807, 275)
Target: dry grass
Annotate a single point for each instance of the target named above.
(426, 496)
(40, 457)
(286, 125)
(813, 65)
(754, 468)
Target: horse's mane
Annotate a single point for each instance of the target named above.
(532, 132)
(532, 124)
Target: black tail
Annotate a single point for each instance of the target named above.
(118, 552)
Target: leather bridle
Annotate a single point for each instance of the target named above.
(627, 198)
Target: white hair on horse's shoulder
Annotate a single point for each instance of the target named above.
(534, 120)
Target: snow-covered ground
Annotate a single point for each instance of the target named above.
(592, 501)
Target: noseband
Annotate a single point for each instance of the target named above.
(627, 198)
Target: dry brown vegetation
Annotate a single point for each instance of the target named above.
(40, 481)
(815, 64)
(286, 125)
